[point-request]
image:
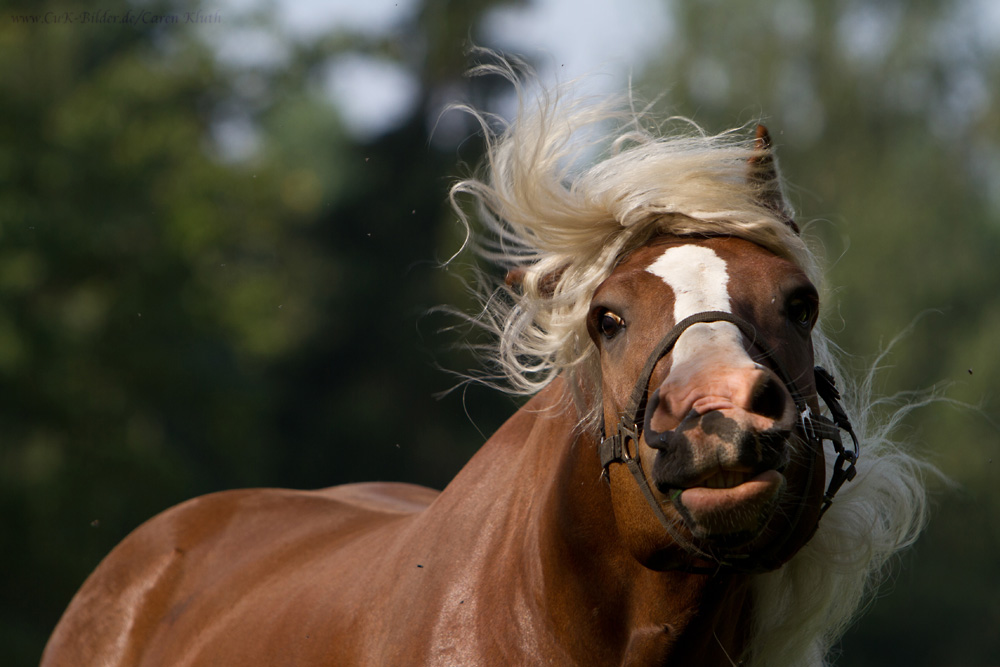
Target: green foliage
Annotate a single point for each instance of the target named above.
(177, 319)
(173, 322)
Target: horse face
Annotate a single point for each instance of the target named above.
(728, 468)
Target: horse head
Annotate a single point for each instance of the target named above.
(709, 396)
(720, 442)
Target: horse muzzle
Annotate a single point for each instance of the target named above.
(718, 443)
(723, 469)
(734, 502)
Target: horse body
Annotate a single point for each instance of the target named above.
(517, 561)
(529, 556)
(657, 501)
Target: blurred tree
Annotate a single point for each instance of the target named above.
(126, 256)
(205, 283)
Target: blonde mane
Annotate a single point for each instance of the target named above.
(572, 185)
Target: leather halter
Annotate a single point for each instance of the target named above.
(623, 445)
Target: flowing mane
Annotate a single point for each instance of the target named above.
(562, 220)
(564, 226)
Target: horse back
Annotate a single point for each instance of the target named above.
(201, 575)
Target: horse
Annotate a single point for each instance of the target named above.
(683, 485)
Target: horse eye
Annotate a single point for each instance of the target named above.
(610, 324)
(801, 312)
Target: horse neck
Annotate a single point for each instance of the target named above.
(589, 586)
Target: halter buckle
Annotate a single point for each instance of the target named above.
(626, 433)
(840, 475)
(614, 449)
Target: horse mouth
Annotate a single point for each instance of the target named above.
(726, 479)
(730, 505)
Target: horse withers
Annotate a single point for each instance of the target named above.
(656, 501)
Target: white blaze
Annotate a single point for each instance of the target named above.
(700, 282)
(698, 278)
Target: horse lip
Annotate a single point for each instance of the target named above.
(736, 514)
(740, 475)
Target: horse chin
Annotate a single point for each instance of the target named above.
(734, 516)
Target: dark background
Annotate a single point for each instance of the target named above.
(179, 316)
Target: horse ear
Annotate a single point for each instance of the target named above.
(763, 176)
(546, 284)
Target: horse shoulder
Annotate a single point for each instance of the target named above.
(191, 566)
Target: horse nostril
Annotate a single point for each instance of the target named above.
(769, 398)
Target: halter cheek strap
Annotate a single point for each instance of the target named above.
(623, 445)
(818, 428)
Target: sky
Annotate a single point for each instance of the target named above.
(572, 37)
(568, 39)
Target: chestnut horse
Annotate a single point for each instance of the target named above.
(657, 501)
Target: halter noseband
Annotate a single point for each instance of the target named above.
(814, 430)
